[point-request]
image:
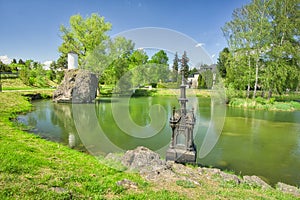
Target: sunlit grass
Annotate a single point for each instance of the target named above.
(262, 104)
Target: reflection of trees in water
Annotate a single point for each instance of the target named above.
(31, 120)
(62, 117)
(42, 113)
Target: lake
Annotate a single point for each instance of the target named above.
(252, 142)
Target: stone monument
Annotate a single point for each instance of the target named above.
(78, 86)
(182, 148)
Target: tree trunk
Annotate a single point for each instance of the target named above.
(248, 90)
(263, 94)
(270, 94)
(256, 79)
(249, 66)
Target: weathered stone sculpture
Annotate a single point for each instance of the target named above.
(78, 86)
(182, 148)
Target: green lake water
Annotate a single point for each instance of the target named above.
(262, 143)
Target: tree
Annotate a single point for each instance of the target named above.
(108, 59)
(223, 62)
(83, 35)
(160, 58)
(21, 62)
(175, 67)
(282, 70)
(184, 65)
(159, 67)
(137, 65)
(263, 38)
(138, 57)
(14, 61)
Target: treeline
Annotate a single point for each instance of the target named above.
(32, 73)
(263, 53)
(115, 60)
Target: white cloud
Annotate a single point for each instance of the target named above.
(213, 55)
(47, 64)
(5, 59)
(199, 45)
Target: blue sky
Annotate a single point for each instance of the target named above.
(30, 28)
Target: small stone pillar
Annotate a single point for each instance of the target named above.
(182, 148)
(72, 60)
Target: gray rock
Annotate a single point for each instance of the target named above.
(143, 160)
(288, 188)
(230, 177)
(256, 181)
(85, 90)
(78, 86)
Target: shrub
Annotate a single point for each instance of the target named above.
(261, 100)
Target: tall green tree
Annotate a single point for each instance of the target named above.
(160, 58)
(263, 38)
(105, 60)
(223, 62)
(138, 61)
(159, 67)
(184, 65)
(83, 35)
(175, 67)
(282, 69)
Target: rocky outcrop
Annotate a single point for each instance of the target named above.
(78, 86)
(143, 160)
(256, 181)
(153, 168)
(288, 188)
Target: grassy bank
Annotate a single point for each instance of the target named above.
(17, 84)
(33, 168)
(107, 90)
(263, 104)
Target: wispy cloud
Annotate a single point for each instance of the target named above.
(5, 59)
(199, 44)
(47, 64)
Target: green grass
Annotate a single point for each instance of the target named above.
(263, 104)
(33, 168)
(185, 184)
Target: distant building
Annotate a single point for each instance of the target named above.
(193, 78)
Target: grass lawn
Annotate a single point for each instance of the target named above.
(33, 168)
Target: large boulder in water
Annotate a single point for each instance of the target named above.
(78, 86)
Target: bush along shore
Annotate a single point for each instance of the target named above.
(33, 168)
(263, 104)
